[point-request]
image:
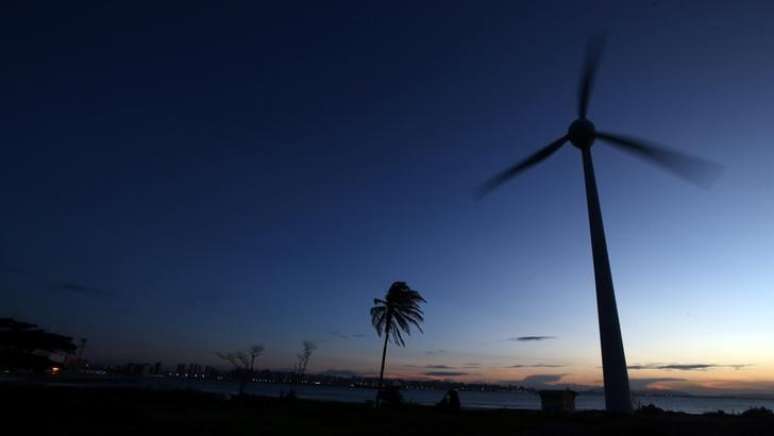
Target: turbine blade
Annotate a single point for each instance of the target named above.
(593, 56)
(535, 158)
(693, 169)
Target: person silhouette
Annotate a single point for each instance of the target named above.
(450, 401)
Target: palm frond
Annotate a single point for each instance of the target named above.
(378, 315)
(402, 323)
(397, 337)
(398, 312)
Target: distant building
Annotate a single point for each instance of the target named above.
(210, 372)
(195, 370)
(136, 369)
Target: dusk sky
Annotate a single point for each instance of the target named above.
(207, 177)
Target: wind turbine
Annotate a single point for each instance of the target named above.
(582, 133)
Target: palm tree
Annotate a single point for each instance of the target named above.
(394, 315)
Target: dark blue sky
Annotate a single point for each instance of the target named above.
(184, 179)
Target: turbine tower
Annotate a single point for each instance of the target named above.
(582, 133)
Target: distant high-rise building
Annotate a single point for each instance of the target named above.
(81, 348)
(194, 369)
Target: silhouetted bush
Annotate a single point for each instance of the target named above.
(758, 411)
(25, 346)
(650, 409)
(718, 413)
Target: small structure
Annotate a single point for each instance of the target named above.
(557, 401)
(389, 396)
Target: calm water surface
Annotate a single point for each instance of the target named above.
(470, 399)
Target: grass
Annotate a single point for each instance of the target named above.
(142, 412)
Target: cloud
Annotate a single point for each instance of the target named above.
(63, 286)
(539, 381)
(434, 352)
(15, 270)
(470, 365)
(536, 365)
(77, 288)
(433, 366)
(445, 373)
(686, 366)
(546, 381)
(340, 335)
(758, 388)
(635, 367)
(543, 378)
(647, 383)
(530, 338)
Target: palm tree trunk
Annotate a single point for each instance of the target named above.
(384, 355)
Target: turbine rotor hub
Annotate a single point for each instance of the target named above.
(582, 133)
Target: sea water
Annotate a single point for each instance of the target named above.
(471, 399)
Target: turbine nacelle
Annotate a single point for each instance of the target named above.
(582, 133)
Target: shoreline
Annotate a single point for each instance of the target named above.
(308, 392)
(136, 410)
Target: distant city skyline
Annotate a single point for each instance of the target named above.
(199, 180)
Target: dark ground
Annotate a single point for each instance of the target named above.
(33, 410)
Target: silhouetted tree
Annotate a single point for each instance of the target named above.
(255, 351)
(303, 359)
(244, 367)
(396, 313)
(25, 346)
